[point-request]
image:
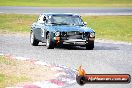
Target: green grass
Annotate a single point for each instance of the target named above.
(111, 27)
(106, 27)
(2, 77)
(67, 3)
(16, 23)
(6, 61)
(7, 80)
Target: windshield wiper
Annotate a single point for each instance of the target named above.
(77, 24)
(80, 25)
(60, 23)
(53, 23)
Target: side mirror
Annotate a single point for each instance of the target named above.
(85, 23)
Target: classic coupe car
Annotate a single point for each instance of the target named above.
(61, 29)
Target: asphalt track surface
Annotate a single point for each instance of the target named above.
(78, 10)
(106, 58)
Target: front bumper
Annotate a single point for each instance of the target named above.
(76, 42)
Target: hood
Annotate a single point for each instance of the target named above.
(67, 28)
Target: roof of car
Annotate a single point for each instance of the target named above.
(60, 14)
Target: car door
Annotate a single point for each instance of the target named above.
(39, 28)
(42, 31)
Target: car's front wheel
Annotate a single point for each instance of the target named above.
(49, 42)
(33, 40)
(90, 46)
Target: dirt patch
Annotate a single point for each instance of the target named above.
(26, 68)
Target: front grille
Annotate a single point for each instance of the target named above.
(86, 34)
(74, 35)
(63, 34)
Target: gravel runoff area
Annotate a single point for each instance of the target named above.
(108, 57)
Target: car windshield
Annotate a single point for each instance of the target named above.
(66, 20)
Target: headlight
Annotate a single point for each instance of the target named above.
(57, 33)
(92, 34)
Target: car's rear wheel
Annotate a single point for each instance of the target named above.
(33, 40)
(90, 46)
(49, 42)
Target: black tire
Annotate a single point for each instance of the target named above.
(33, 40)
(80, 80)
(49, 41)
(90, 46)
